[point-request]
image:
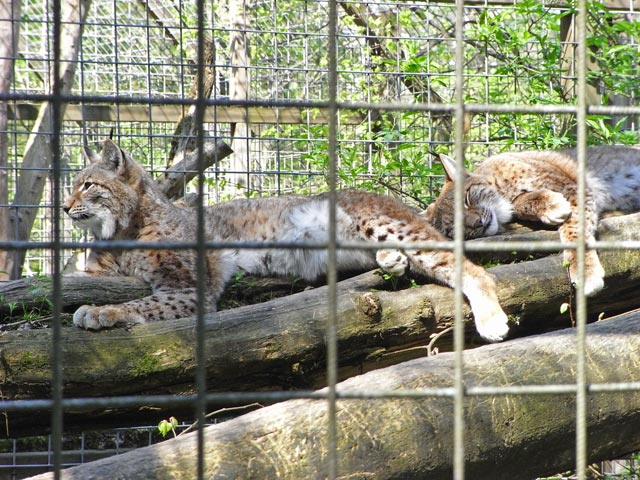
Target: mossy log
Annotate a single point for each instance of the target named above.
(280, 344)
(506, 436)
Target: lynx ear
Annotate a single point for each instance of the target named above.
(449, 165)
(112, 157)
(89, 154)
(429, 212)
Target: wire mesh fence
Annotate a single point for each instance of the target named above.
(310, 96)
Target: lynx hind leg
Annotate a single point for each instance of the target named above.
(593, 271)
(477, 285)
(393, 262)
(545, 206)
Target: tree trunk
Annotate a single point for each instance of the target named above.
(38, 155)
(9, 34)
(506, 436)
(183, 164)
(280, 344)
(239, 83)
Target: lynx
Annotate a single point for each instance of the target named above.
(542, 186)
(115, 198)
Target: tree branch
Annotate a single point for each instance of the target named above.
(185, 167)
(506, 436)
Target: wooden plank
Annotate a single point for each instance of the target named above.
(626, 5)
(173, 113)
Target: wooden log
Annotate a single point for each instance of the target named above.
(280, 344)
(34, 293)
(506, 436)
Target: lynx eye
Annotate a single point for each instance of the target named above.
(86, 186)
(467, 199)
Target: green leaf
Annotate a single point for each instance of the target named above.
(166, 426)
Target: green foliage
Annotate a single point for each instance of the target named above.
(396, 282)
(513, 55)
(603, 131)
(399, 54)
(167, 426)
(22, 312)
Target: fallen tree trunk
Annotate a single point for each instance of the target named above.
(280, 344)
(506, 436)
(34, 293)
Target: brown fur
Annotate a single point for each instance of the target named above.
(117, 200)
(542, 186)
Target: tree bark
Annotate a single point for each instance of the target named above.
(280, 344)
(506, 436)
(186, 167)
(9, 34)
(239, 82)
(38, 155)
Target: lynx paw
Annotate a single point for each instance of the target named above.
(558, 209)
(493, 327)
(96, 318)
(593, 282)
(594, 272)
(393, 262)
(593, 285)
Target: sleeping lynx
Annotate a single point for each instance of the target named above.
(115, 198)
(541, 186)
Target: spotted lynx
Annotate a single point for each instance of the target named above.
(115, 198)
(542, 186)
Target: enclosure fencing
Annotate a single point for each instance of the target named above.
(311, 96)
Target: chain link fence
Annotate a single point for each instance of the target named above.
(311, 96)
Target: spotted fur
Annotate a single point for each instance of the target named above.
(115, 198)
(542, 186)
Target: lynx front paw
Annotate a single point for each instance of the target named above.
(593, 281)
(493, 327)
(393, 262)
(593, 285)
(594, 272)
(96, 318)
(558, 209)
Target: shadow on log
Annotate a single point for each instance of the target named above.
(507, 436)
(280, 344)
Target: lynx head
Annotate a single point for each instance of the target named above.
(485, 209)
(105, 193)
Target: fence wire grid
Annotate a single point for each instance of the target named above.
(311, 96)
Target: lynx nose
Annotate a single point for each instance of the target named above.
(66, 207)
